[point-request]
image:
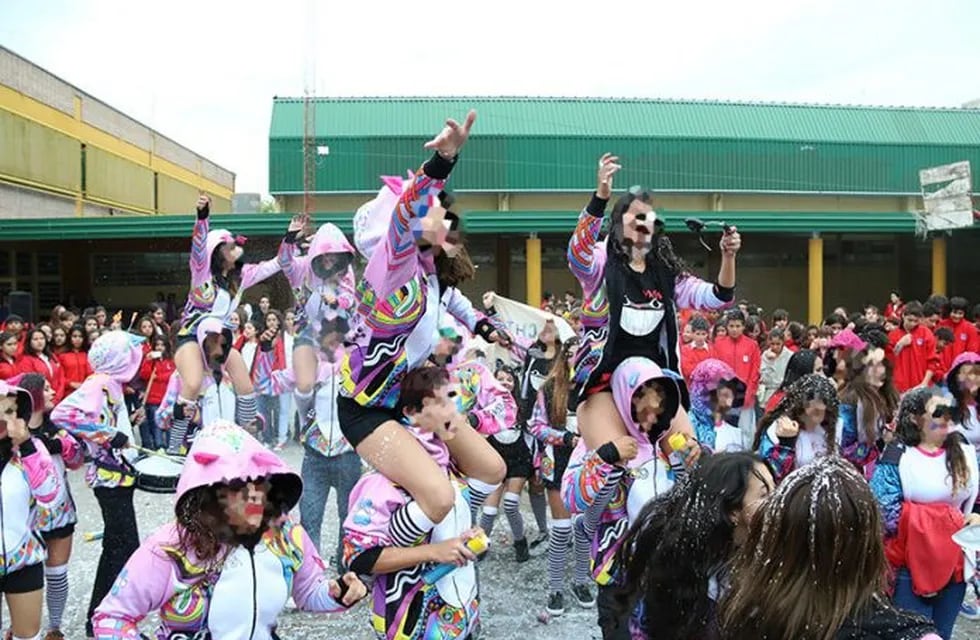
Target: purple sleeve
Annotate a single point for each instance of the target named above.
(291, 263)
(81, 413)
(46, 485)
(144, 585)
(252, 274)
(540, 424)
(586, 255)
(395, 260)
(200, 260)
(347, 296)
(691, 292)
(311, 586)
(372, 503)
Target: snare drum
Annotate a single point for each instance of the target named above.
(156, 474)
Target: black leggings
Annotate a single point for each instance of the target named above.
(119, 540)
(615, 626)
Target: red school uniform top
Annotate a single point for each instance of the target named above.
(965, 337)
(691, 357)
(160, 370)
(75, 367)
(51, 370)
(912, 362)
(742, 355)
(10, 369)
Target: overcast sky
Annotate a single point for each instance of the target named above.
(203, 72)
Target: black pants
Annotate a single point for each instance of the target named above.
(119, 540)
(614, 626)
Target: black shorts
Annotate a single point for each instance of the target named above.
(23, 580)
(60, 533)
(516, 456)
(562, 456)
(185, 339)
(357, 422)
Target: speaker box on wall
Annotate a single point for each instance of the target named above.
(21, 303)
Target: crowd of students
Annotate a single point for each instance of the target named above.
(707, 476)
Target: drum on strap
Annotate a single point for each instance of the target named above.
(157, 473)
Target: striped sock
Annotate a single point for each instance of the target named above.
(512, 509)
(408, 524)
(56, 593)
(487, 519)
(539, 505)
(590, 519)
(479, 491)
(246, 407)
(582, 556)
(561, 533)
(183, 410)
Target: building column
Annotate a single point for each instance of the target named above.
(532, 249)
(939, 266)
(503, 265)
(815, 280)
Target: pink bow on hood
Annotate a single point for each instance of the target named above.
(847, 339)
(223, 451)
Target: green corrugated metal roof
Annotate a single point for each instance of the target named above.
(475, 222)
(550, 145)
(631, 118)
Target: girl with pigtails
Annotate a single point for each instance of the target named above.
(415, 261)
(634, 285)
(218, 280)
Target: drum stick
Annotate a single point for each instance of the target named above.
(151, 452)
(132, 320)
(92, 536)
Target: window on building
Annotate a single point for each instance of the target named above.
(139, 269)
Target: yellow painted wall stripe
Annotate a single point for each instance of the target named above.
(27, 107)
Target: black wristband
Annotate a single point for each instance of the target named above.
(363, 563)
(568, 438)
(725, 294)
(609, 453)
(266, 346)
(290, 237)
(438, 167)
(473, 419)
(597, 206)
(788, 442)
(202, 213)
(484, 328)
(27, 448)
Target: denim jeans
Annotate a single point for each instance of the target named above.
(268, 407)
(319, 474)
(285, 415)
(152, 436)
(941, 608)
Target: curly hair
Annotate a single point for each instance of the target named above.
(810, 387)
(454, 271)
(680, 541)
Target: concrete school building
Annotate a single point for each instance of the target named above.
(823, 195)
(81, 185)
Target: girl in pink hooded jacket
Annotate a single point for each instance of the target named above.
(323, 284)
(28, 482)
(204, 341)
(226, 566)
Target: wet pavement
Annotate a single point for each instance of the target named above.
(514, 594)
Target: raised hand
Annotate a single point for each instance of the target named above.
(608, 166)
(731, 242)
(203, 205)
(298, 223)
(452, 137)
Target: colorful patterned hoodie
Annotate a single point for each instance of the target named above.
(29, 485)
(609, 494)
(405, 607)
(237, 596)
(96, 414)
(311, 290)
(706, 378)
(490, 408)
(398, 297)
(588, 260)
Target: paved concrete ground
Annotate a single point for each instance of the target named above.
(514, 593)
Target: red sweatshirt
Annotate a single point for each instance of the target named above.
(965, 337)
(160, 370)
(744, 357)
(76, 368)
(10, 369)
(912, 362)
(691, 357)
(51, 370)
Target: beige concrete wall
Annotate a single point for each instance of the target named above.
(27, 203)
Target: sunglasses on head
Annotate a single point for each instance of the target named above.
(942, 411)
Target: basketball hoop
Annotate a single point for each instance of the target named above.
(947, 198)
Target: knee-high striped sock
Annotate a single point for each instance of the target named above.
(183, 411)
(582, 558)
(512, 509)
(488, 518)
(478, 491)
(246, 406)
(561, 533)
(539, 506)
(56, 593)
(408, 524)
(590, 519)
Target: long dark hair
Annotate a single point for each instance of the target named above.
(85, 341)
(229, 281)
(454, 271)
(824, 523)
(203, 526)
(29, 350)
(812, 386)
(914, 405)
(662, 249)
(680, 540)
(800, 364)
(558, 385)
(961, 410)
(875, 403)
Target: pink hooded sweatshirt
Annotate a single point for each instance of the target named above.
(96, 414)
(611, 494)
(28, 485)
(310, 289)
(238, 596)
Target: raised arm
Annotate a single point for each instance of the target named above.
(200, 260)
(586, 256)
